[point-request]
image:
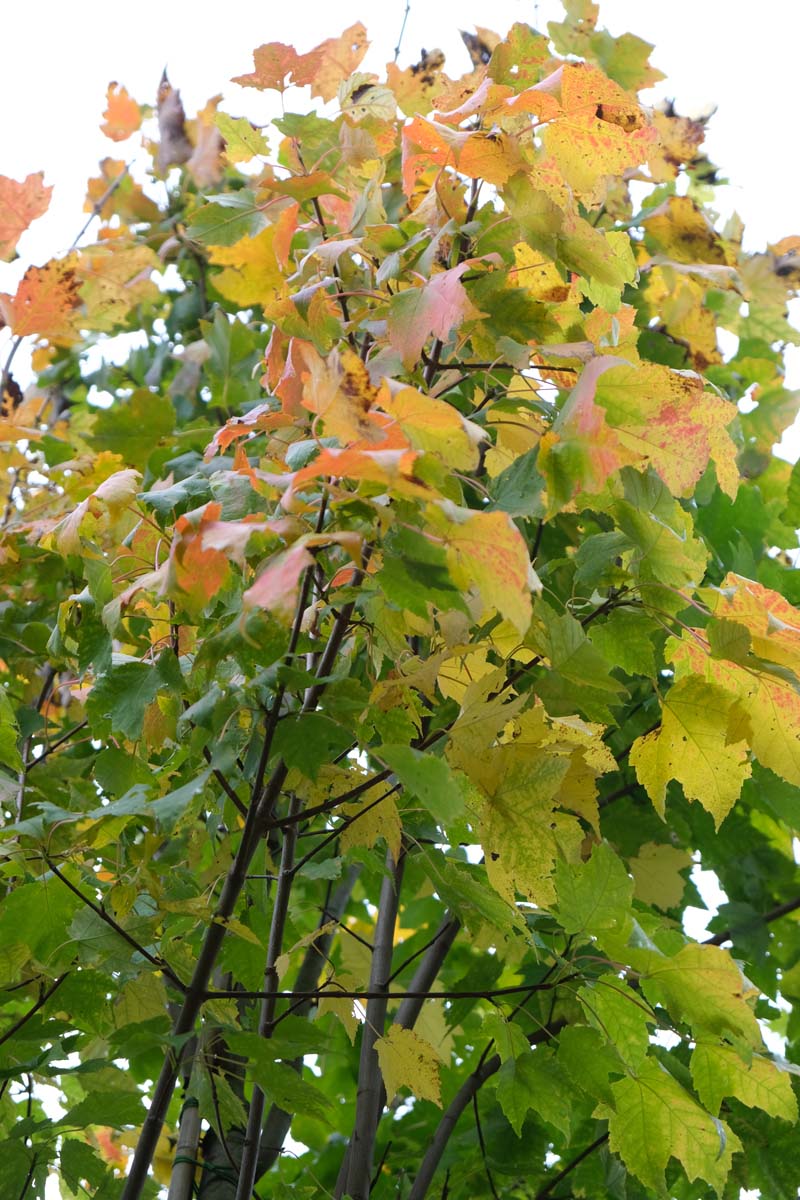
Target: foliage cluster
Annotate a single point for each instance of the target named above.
(380, 652)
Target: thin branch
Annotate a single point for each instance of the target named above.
(449, 1119)
(482, 1144)
(48, 750)
(774, 914)
(43, 998)
(385, 994)
(547, 1190)
(402, 30)
(252, 1139)
(153, 959)
(357, 1164)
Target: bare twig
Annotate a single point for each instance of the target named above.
(402, 30)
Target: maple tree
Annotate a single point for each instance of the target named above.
(386, 635)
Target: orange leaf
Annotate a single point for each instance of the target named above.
(20, 203)
(339, 57)
(278, 67)
(122, 116)
(45, 302)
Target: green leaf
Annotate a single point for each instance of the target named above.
(619, 1015)
(654, 1120)
(595, 896)
(281, 1083)
(231, 217)
(535, 1081)
(718, 1071)
(428, 778)
(133, 428)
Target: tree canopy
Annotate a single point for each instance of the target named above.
(385, 633)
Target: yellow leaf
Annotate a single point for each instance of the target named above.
(434, 426)
(252, 272)
(693, 747)
(408, 1061)
(486, 551)
(656, 874)
(372, 821)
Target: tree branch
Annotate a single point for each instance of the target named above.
(255, 1118)
(455, 1108)
(259, 816)
(357, 1165)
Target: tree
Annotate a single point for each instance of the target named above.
(386, 636)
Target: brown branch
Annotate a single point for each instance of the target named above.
(556, 1180)
(43, 998)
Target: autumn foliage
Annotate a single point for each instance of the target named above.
(388, 625)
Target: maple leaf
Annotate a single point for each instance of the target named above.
(338, 58)
(694, 745)
(276, 588)
(46, 302)
(277, 67)
(20, 204)
(122, 116)
(654, 1119)
(433, 310)
(408, 1061)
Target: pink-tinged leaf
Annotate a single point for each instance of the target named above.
(20, 204)
(433, 310)
(276, 588)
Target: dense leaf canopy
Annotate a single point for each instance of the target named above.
(385, 633)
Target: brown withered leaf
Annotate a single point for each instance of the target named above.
(174, 147)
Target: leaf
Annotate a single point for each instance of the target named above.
(227, 220)
(277, 67)
(276, 588)
(406, 1060)
(485, 551)
(694, 746)
(596, 895)
(620, 1015)
(242, 140)
(657, 877)
(45, 302)
(704, 986)
(20, 204)
(338, 58)
(427, 778)
(132, 428)
(718, 1071)
(433, 310)
(122, 116)
(655, 1120)
(534, 1080)
(282, 1084)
